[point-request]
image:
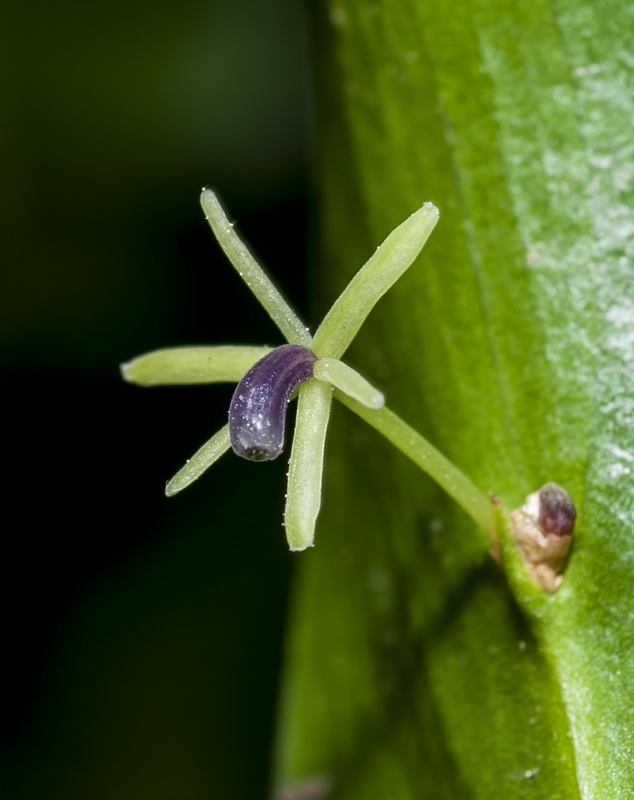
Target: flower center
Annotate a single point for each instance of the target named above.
(257, 414)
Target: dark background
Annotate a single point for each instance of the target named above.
(143, 636)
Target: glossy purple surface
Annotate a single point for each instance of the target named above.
(557, 512)
(257, 414)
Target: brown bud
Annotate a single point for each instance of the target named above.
(557, 512)
(542, 528)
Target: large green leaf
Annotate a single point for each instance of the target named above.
(416, 667)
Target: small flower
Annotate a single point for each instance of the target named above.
(257, 414)
(268, 378)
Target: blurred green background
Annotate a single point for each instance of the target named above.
(144, 636)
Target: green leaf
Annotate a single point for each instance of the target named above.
(416, 668)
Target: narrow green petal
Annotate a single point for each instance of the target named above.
(341, 324)
(431, 461)
(200, 461)
(179, 365)
(348, 380)
(306, 464)
(252, 273)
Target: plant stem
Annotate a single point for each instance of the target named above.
(430, 460)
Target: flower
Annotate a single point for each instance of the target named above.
(267, 378)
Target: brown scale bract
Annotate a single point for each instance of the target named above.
(542, 528)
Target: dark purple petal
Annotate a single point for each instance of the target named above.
(257, 414)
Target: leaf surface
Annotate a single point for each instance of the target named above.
(415, 667)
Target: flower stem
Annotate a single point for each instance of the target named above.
(430, 460)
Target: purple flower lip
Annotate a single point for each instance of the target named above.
(257, 414)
